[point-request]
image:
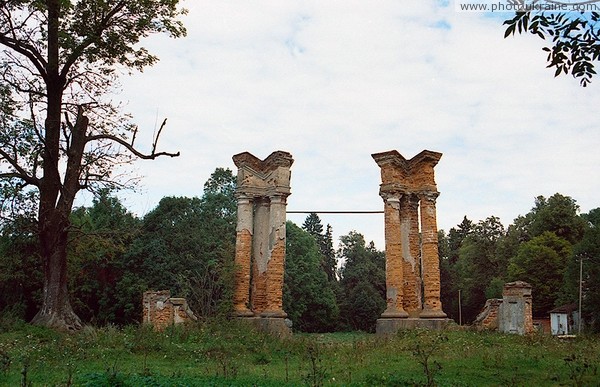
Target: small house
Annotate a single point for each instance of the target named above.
(564, 320)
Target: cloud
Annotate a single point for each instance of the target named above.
(332, 82)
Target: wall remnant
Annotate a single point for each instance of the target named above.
(161, 310)
(409, 193)
(512, 313)
(262, 190)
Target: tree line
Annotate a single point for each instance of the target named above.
(187, 245)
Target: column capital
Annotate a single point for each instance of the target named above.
(278, 198)
(429, 196)
(391, 197)
(242, 198)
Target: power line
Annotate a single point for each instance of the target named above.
(334, 212)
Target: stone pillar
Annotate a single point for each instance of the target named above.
(276, 264)
(413, 284)
(243, 256)
(263, 186)
(430, 255)
(394, 279)
(515, 314)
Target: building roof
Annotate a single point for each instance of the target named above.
(565, 308)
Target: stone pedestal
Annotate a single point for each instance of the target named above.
(391, 326)
(409, 192)
(262, 189)
(279, 327)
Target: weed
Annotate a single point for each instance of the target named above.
(426, 345)
(316, 372)
(579, 368)
(24, 374)
(5, 361)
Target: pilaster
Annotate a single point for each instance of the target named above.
(394, 277)
(431, 263)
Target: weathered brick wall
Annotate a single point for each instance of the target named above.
(488, 317)
(161, 311)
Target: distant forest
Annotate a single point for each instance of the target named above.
(187, 245)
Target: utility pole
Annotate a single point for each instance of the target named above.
(580, 290)
(459, 309)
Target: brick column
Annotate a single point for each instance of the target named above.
(430, 255)
(243, 256)
(276, 263)
(261, 254)
(411, 254)
(394, 279)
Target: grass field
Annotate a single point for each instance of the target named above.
(231, 354)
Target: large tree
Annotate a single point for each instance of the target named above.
(61, 133)
(308, 296)
(362, 283)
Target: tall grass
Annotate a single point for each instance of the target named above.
(231, 353)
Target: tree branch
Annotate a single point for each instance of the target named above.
(26, 50)
(130, 148)
(89, 40)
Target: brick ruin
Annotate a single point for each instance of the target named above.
(161, 310)
(262, 190)
(511, 314)
(409, 194)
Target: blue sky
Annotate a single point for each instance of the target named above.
(333, 82)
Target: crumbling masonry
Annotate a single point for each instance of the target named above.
(409, 193)
(160, 310)
(262, 190)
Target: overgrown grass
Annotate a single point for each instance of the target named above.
(232, 354)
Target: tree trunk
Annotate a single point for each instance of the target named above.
(55, 199)
(56, 311)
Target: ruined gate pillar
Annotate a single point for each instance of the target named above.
(263, 186)
(412, 261)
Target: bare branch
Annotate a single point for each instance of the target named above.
(158, 135)
(130, 148)
(27, 50)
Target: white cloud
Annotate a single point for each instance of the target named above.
(332, 82)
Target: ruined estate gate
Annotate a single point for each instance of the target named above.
(409, 193)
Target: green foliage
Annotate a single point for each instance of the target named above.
(588, 250)
(308, 296)
(478, 265)
(536, 248)
(230, 353)
(558, 214)
(362, 285)
(100, 237)
(573, 36)
(541, 262)
(20, 272)
(187, 245)
(324, 240)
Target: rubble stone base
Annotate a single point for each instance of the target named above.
(273, 326)
(390, 326)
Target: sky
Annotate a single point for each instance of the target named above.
(333, 81)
